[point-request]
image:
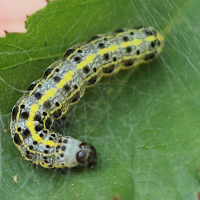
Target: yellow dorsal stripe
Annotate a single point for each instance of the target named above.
(89, 59)
(33, 109)
(150, 38)
(134, 42)
(67, 78)
(48, 94)
(37, 138)
(49, 142)
(111, 48)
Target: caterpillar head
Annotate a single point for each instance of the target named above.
(87, 156)
(71, 153)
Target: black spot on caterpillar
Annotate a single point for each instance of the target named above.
(63, 84)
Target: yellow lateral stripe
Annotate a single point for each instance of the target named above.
(45, 165)
(16, 126)
(115, 63)
(89, 77)
(150, 38)
(119, 34)
(21, 138)
(17, 117)
(52, 72)
(38, 152)
(56, 67)
(32, 91)
(102, 37)
(65, 109)
(75, 91)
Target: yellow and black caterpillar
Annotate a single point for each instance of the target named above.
(63, 84)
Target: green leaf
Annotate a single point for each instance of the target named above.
(144, 123)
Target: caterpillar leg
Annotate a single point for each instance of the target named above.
(60, 123)
(62, 170)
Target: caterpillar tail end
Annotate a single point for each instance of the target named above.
(87, 156)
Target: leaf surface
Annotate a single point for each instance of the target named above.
(144, 123)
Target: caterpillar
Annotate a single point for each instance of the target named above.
(63, 84)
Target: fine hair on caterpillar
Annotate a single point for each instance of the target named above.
(63, 84)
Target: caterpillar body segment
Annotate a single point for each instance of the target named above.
(64, 83)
